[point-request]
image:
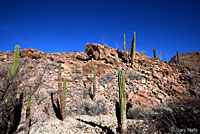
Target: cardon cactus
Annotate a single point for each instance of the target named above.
(122, 101)
(16, 60)
(132, 49)
(125, 55)
(28, 112)
(61, 92)
(124, 42)
(64, 90)
(155, 53)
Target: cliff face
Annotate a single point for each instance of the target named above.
(149, 81)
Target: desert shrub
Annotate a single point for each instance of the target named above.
(133, 75)
(39, 98)
(76, 77)
(185, 115)
(191, 78)
(140, 113)
(10, 106)
(174, 117)
(93, 108)
(86, 93)
(108, 77)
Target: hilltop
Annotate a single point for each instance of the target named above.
(151, 84)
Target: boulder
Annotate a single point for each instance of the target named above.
(3, 57)
(32, 53)
(100, 52)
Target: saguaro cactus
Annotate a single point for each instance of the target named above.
(124, 38)
(16, 60)
(122, 101)
(154, 53)
(61, 92)
(28, 112)
(94, 83)
(64, 90)
(132, 49)
(124, 42)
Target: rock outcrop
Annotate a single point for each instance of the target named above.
(149, 82)
(99, 52)
(190, 61)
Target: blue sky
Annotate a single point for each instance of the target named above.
(67, 25)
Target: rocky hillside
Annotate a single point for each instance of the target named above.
(149, 83)
(189, 60)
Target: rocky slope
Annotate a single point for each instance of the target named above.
(149, 82)
(189, 60)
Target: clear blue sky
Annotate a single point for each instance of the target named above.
(67, 25)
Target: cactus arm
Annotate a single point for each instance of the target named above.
(9, 72)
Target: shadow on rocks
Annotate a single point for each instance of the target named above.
(56, 108)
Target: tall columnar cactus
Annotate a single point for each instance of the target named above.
(28, 113)
(94, 83)
(16, 60)
(124, 38)
(122, 101)
(61, 92)
(124, 42)
(132, 49)
(64, 90)
(154, 53)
